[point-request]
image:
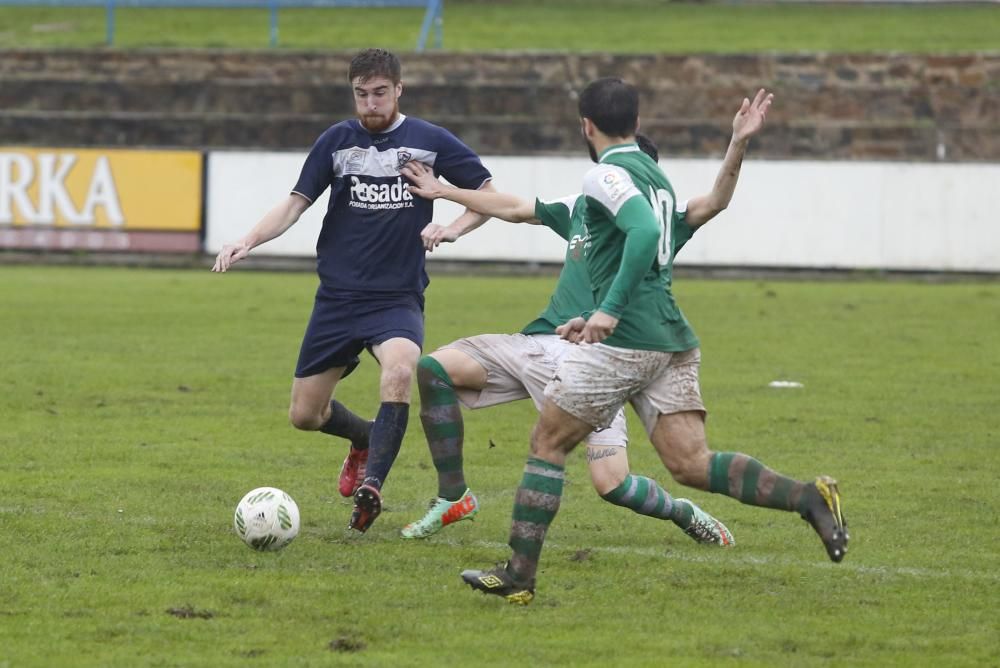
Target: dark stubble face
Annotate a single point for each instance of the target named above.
(590, 147)
(376, 102)
(379, 122)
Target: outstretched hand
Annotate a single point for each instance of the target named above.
(423, 183)
(230, 255)
(750, 118)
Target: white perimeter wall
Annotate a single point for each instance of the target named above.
(867, 215)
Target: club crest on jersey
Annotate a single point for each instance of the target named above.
(403, 157)
(355, 161)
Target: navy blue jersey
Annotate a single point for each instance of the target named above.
(370, 239)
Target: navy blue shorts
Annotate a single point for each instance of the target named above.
(345, 323)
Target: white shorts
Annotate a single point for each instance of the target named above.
(594, 381)
(519, 367)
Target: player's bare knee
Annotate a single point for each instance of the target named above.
(538, 443)
(683, 476)
(305, 420)
(551, 441)
(680, 441)
(690, 467)
(396, 381)
(544, 440)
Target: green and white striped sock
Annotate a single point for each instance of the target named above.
(535, 506)
(747, 480)
(441, 416)
(645, 496)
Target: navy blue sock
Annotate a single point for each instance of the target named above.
(347, 425)
(386, 439)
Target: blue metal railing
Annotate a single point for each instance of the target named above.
(433, 16)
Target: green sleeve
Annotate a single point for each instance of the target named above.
(682, 231)
(642, 234)
(555, 216)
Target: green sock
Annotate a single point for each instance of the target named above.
(535, 506)
(748, 481)
(441, 417)
(645, 496)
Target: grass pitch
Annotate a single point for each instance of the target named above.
(649, 26)
(140, 405)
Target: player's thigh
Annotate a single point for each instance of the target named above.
(557, 432)
(310, 403)
(503, 362)
(398, 358)
(463, 370)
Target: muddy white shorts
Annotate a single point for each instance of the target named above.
(519, 367)
(594, 381)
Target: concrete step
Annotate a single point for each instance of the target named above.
(263, 98)
(498, 135)
(547, 103)
(796, 70)
(896, 106)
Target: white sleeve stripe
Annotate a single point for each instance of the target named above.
(296, 192)
(610, 185)
(569, 201)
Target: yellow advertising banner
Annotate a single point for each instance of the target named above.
(101, 190)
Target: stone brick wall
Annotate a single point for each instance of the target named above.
(828, 106)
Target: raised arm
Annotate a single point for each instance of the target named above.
(481, 205)
(748, 121)
(274, 223)
(469, 220)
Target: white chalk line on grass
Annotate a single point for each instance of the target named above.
(731, 557)
(734, 556)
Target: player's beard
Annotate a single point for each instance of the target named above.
(376, 123)
(590, 147)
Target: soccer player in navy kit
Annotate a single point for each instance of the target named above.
(370, 260)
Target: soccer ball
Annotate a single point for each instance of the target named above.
(266, 519)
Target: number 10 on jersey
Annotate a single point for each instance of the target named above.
(663, 207)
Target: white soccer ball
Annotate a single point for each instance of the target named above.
(266, 519)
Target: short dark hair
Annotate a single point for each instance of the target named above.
(612, 105)
(647, 146)
(374, 63)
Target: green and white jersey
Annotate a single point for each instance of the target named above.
(574, 293)
(634, 228)
(573, 296)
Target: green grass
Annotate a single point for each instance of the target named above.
(139, 406)
(496, 25)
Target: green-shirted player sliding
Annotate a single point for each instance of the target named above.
(639, 349)
(492, 369)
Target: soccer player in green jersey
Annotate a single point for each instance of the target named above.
(639, 348)
(492, 369)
